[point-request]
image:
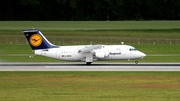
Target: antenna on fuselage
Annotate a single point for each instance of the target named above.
(91, 43)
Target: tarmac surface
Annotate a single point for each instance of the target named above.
(81, 66)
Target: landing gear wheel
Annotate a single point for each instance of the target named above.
(136, 62)
(88, 63)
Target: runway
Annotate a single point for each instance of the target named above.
(97, 66)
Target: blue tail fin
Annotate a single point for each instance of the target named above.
(37, 40)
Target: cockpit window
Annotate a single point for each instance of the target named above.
(132, 49)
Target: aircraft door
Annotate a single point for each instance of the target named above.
(123, 50)
(44, 52)
(58, 53)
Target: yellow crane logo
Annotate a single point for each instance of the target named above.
(35, 40)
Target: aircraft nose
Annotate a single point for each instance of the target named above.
(142, 55)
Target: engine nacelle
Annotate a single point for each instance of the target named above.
(101, 54)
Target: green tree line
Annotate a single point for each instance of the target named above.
(89, 10)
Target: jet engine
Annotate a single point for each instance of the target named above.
(101, 54)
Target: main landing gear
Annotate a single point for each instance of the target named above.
(89, 58)
(88, 63)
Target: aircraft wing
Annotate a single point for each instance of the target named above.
(89, 49)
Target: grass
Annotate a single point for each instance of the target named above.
(89, 25)
(89, 86)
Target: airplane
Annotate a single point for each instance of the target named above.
(87, 53)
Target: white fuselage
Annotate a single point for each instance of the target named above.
(72, 53)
